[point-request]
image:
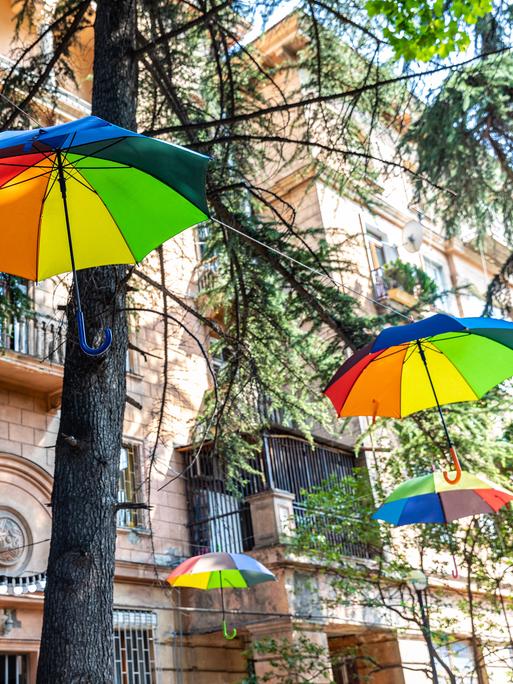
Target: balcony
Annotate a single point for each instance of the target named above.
(387, 289)
(271, 503)
(327, 532)
(32, 355)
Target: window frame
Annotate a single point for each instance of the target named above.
(131, 518)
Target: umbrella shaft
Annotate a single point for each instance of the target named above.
(440, 413)
(62, 185)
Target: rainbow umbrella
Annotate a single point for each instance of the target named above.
(88, 193)
(430, 499)
(220, 571)
(439, 360)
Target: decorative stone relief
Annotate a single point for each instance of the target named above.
(13, 541)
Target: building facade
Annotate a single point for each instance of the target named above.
(173, 636)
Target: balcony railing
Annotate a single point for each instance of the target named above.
(325, 531)
(231, 532)
(386, 286)
(207, 273)
(220, 520)
(38, 336)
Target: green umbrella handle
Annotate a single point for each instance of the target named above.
(229, 635)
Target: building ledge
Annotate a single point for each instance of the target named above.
(24, 372)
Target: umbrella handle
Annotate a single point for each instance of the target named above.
(457, 468)
(455, 572)
(92, 351)
(229, 635)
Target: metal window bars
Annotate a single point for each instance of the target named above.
(134, 647)
(13, 668)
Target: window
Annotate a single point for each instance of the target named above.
(13, 668)
(13, 328)
(134, 647)
(129, 486)
(202, 234)
(218, 520)
(381, 252)
(459, 657)
(436, 272)
(346, 672)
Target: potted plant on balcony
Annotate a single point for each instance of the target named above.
(407, 284)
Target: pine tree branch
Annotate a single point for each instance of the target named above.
(255, 114)
(174, 33)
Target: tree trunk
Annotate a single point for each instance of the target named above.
(76, 645)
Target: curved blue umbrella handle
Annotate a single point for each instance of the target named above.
(92, 351)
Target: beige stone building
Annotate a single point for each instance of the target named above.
(173, 637)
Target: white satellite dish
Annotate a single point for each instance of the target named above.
(413, 233)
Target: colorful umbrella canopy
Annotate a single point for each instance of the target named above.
(88, 193)
(439, 360)
(466, 357)
(220, 571)
(430, 499)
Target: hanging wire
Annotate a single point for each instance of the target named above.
(25, 114)
(340, 285)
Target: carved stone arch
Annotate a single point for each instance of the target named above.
(25, 518)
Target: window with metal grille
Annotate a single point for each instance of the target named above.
(134, 647)
(218, 520)
(130, 487)
(13, 668)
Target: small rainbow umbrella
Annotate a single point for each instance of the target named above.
(88, 193)
(430, 499)
(220, 571)
(439, 360)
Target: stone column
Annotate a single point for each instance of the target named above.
(272, 516)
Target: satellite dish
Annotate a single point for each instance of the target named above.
(413, 233)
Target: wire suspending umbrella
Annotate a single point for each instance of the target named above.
(88, 193)
(220, 571)
(439, 360)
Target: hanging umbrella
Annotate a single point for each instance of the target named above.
(439, 360)
(431, 499)
(220, 571)
(88, 193)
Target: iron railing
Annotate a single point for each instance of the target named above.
(325, 531)
(35, 335)
(231, 532)
(221, 520)
(294, 465)
(207, 271)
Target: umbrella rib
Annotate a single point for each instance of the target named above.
(401, 348)
(49, 189)
(97, 168)
(113, 141)
(148, 173)
(74, 177)
(26, 180)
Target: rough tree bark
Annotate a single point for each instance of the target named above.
(76, 645)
